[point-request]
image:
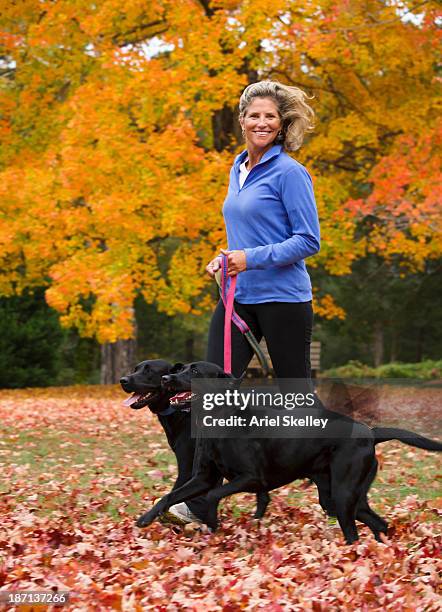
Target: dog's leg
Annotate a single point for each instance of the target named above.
(350, 468)
(322, 481)
(239, 484)
(377, 524)
(196, 486)
(345, 511)
(262, 501)
(364, 513)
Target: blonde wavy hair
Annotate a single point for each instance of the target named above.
(296, 115)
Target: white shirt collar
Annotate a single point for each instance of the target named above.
(242, 166)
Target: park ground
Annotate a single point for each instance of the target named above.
(77, 468)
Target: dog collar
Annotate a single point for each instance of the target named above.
(171, 410)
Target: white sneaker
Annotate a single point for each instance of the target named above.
(180, 514)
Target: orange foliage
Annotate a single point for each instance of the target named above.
(111, 179)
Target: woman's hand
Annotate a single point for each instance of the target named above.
(213, 266)
(236, 261)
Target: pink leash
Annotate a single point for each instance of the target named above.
(227, 292)
(228, 314)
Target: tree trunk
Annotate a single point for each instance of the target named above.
(378, 344)
(117, 358)
(419, 344)
(394, 345)
(225, 125)
(189, 348)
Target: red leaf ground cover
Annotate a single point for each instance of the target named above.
(77, 468)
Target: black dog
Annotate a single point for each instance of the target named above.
(344, 466)
(145, 385)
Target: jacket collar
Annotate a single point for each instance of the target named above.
(272, 152)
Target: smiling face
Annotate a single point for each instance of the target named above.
(261, 123)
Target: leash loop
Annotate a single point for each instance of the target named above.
(228, 293)
(227, 287)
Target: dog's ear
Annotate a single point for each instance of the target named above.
(176, 368)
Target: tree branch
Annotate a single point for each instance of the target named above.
(140, 32)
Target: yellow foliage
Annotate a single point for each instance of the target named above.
(111, 172)
(326, 307)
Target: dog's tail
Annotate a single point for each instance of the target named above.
(383, 434)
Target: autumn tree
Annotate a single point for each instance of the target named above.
(375, 155)
(118, 128)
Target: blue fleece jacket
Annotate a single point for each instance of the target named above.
(273, 218)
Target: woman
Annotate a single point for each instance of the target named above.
(272, 226)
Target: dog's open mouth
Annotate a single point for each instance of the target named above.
(183, 398)
(138, 400)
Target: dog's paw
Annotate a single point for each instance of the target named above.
(145, 520)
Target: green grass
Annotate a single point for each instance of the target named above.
(129, 458)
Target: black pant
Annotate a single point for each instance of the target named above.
(287, 329)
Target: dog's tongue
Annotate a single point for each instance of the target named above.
(132, 399)
(179, 397)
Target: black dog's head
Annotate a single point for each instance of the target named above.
(145, 385)
(179, 379)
